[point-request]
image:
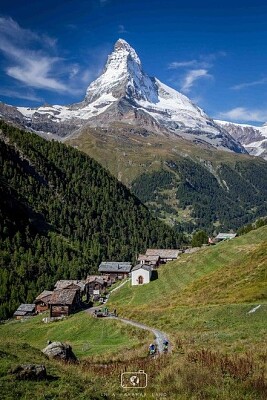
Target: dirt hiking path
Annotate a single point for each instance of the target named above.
(159, 335)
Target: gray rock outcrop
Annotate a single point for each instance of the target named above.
(30, 372)
(60, 351)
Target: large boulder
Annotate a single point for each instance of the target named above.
(30, 371)
(60, 351)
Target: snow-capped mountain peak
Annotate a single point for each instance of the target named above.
(125, 93)
(122, 46)
(122, 76)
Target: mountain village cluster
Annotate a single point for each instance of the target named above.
(69, 296)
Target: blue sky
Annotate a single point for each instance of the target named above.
(213, 52)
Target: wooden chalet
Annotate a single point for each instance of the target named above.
(63, 302)
(72, 284)
(42, 301)
(117, 270)
(24, 310)
(164, 255)
(153, 261)
(97, 285)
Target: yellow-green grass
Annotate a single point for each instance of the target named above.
(192, 376)
(203, 302)
(195, 370)
(203, 299)
(87, 335)
(65, 381)
(230, 272)
(97, 342)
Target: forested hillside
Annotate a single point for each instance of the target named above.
(61, 213)
(221, 198)
(183, 183)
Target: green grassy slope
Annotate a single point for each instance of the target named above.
(103, 347)
(230, 272)
(87, 335)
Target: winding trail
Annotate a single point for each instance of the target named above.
(159, 335)
(118, 287)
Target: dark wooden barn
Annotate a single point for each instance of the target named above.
(64, 302)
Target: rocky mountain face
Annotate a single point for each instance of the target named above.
(125, 94)
(252, 138)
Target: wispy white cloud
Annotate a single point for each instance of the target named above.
(249, 84)
(88, 75)
(30, 66)
(34, 72)
(74, 71)
(203, 61)
(26, 95)
(190, 63)
(194, 69)
(192, 76)
(121, 29)
(32, 60)
(213, 56)
(12, 32)
(244, 115)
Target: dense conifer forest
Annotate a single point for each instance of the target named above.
(61, 214)
(222, 198)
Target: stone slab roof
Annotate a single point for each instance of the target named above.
(24, 309)
(163, 253)
(223, 236)
(93, 278)
(145, 257)
(142, 266)
(114, 266)
(45, 295)
(63, 296)
(62, 284)
(97, 279)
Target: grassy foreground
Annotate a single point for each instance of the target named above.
(96, 342)
(88, 336)
(202, 302)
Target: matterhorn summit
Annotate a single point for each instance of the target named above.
(124, 94)
(122, 76)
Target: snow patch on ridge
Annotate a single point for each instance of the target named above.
(253, 138)
(62, 113)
